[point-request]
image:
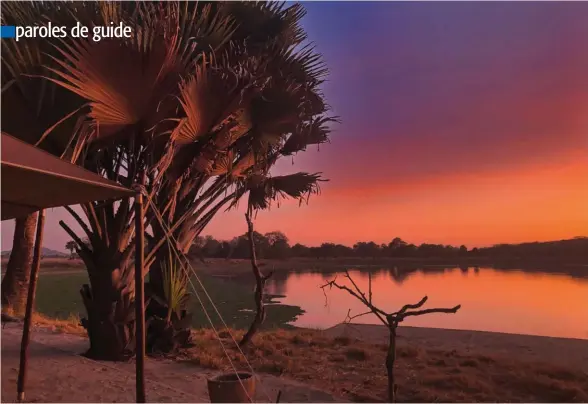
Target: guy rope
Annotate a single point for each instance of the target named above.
(184, 262)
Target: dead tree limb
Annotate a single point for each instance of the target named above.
(260, 281)
(390, 320)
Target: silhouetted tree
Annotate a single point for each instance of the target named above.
(390, 320)
(369, 249)
(396, 247)
(71, 247)
(300, 250)
(277, 245)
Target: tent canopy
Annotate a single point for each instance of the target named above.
(32, 179)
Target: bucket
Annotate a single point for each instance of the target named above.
(226, 388)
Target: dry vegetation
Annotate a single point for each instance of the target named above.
(70, 325)
(355, 370)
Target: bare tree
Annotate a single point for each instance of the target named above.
(390, 320)
(260, 281)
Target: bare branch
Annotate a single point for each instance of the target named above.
(349, 318)
(411, 306)
(391, 321)
(428, 311)
(370, 286)
(269, 275)
(361, 297)
(354, 285)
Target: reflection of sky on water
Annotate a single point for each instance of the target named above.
(503, 301)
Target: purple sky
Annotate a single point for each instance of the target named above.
(463, 122)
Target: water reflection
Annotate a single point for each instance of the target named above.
(502, 300)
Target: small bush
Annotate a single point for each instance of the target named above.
(342, 340)
(357, 354)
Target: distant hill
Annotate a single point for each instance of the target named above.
(572, 248)
(45, 252)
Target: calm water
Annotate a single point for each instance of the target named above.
(503, 301)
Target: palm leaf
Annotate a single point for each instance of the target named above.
(265, 190)
(216, 102)
(223, 164)
(263, 21)
(123, 93)
(308, 133)
(140, 86)
(175, 285)
(33, 106)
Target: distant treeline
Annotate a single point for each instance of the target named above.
(275, 245)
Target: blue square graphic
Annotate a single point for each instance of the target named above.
(7, 31)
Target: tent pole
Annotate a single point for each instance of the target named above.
(139, 299)
(26, 332)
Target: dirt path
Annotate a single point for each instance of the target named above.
(56, 373)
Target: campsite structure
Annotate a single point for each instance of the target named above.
(33, 180)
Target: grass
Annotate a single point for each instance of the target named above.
(58, 297)
(70, 325)
(54, 264)
(355, 370)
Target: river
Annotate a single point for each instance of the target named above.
(513, 301)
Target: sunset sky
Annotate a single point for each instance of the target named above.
(462, 122)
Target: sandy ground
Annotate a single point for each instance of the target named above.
(567, 352)
(57, 373)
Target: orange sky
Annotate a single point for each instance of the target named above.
(543, 202)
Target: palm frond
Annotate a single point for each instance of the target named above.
(34, 107)
(202, 29)
(175, 285)
(140, 86)
(223, 164)
(261, 21)
(121, 93)
(243, 164)
(265, 190)
(308, 133)
(216, 103)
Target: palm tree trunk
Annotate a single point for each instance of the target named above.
(260, 281)
(18, 270)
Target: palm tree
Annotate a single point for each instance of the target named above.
(71, 247)
(18, 270)
(132, 104)
(32, 108)
(197, 106)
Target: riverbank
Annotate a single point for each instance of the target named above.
(238, 267)
(221, 267)
(433, 365)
